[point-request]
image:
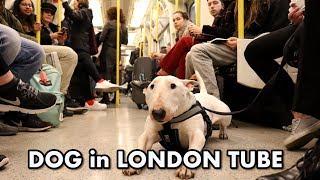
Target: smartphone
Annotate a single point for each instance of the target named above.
(63, 30)
(45, 83)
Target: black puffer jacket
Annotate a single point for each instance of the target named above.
(81, 21)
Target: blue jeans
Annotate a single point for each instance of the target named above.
(24, 57)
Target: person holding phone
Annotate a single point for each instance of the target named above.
(50, 35)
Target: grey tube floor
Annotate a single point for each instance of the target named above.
(119, 128)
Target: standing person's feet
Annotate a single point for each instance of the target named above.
(3, 161)
(20, 96)
(94, 105)
(73, 106)
(306, 168)
(26, 122)
(303, 131)
(161, 72)
(106, 86)
(6, 130)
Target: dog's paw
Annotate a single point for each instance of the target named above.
(223, 136)
(131, 171)
(184, 173)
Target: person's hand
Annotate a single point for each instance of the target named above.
(37, 27)
(194, 30)
(55, 35)
(295, 15)
(62, 37)
(232, 43)
(156, 55)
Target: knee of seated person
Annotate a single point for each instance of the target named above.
(251, 52)
(73, 55)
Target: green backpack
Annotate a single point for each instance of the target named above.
(54, 115)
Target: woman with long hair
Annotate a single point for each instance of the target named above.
(24, 11)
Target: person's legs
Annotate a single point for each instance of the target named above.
(260, 55)
(306, 111)
(88, 66)
(28, 61)
(172, 61)
(15, 94)
(306, 100)
(10, 44)
(203, 58)
(181, 69)
(68, 59)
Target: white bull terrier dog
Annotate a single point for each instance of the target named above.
(168, 97)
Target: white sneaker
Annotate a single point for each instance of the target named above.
(124, 86)
(96, 106)
(106, 86)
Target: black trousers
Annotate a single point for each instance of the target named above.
(307, 94)
(261, 54)
(4, 68)
(80, 86)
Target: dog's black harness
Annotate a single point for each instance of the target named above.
(170, 137)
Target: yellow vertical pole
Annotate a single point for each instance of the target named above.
(38, 18)
(241, 19)
(176, 5)
(198, 10)
(59, 13)
(118, 53)
(157, 20)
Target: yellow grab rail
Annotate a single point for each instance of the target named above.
(59, 5)
(241, 19)
(176, 5)
(38, 19)
(198, 10)
(118, 54)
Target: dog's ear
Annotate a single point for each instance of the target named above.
(190, 84)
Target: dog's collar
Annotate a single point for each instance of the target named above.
(194, 110)
(170, 137)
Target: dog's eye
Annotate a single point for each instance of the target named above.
(173, 86)
(151, 86)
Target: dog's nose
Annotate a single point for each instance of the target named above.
(159, 114)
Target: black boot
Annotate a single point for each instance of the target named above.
(307, 168)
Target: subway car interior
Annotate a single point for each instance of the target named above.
(159, 89)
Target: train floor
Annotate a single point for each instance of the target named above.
(119, 128)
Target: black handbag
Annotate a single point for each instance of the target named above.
(292, 49)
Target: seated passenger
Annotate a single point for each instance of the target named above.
(306, 97)
(81, 22)
(223, 27)
(260, 55)
(181, 24)
(67, 57)
(260, 16)
(24, 11)
(23, 57)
